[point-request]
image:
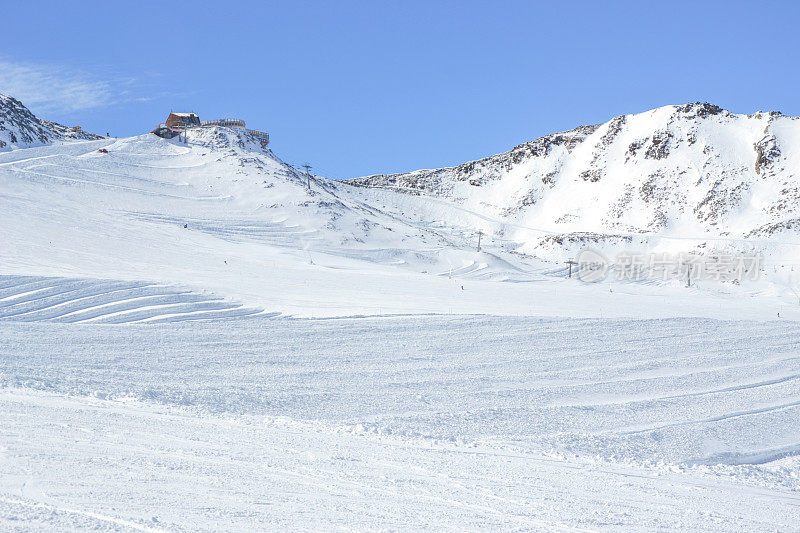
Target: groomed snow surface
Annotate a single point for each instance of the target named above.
(191, 340)
(401, 423)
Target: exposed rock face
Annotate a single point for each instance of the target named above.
(19, 128)
(693, 169)
(700, 110)
(767, 152)
(659, 145)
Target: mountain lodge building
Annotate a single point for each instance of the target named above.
(182, 120)
(178, 123)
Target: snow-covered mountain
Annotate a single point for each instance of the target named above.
(214, 323)
(694, 171)
(143, 199)
(19, 128)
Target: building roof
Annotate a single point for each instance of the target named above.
(182, 119)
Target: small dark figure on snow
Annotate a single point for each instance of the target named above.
(185, 226)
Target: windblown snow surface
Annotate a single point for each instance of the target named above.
(191, 339)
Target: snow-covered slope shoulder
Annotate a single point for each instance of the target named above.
(19, 128)
(694, 170)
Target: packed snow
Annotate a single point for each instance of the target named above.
(197, 336)
(402, 423)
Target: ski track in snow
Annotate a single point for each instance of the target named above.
(404, 422)
(35, 298)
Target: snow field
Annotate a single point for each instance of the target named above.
(404, 422)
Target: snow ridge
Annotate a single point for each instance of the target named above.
(36, 299)
(19, 128)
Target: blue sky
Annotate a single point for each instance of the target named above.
(357, 88)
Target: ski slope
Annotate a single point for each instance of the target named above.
(402, 423)
(199, 337)
(225, 215)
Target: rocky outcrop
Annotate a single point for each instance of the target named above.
(19, 128)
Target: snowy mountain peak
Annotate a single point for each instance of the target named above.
(19, 128)
(700, 110)
(693, 170)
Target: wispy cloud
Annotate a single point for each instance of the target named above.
(50, 88)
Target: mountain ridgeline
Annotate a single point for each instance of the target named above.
(693, 177)
(19, 128)
(691, 171)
